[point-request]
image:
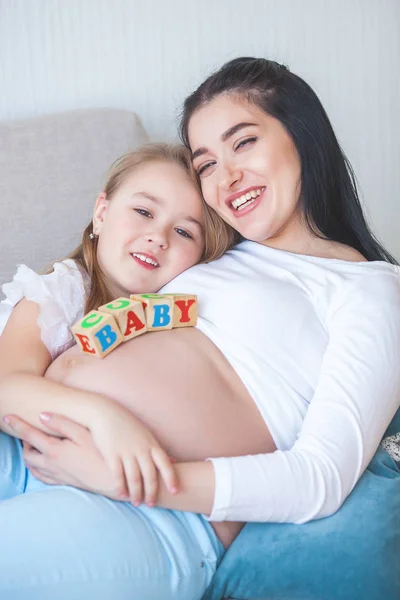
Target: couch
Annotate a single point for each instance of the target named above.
(51, 169)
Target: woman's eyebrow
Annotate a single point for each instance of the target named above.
(224, 136)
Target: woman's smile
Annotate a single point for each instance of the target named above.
(243, 202)
(249, 170)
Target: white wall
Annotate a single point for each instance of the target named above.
(148, 54)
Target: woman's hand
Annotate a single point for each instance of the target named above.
(131, 451)
(69, 459)
(123, 452)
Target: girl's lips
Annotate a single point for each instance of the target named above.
(143, 264)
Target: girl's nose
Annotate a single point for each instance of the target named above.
(159, 239)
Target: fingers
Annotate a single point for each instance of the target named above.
(26, 446)
(62, 426)
(120, 491)
(134, 481)
(28, 433)
(150, 479)
(167, 471)
(32, 456)
(141, 475)
(43, 477)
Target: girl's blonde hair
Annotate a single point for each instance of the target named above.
(219, 236)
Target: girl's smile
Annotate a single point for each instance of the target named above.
(150, 230)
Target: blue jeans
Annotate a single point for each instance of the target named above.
(61, 542)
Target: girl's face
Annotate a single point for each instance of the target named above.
(249, 170)
(150, 230)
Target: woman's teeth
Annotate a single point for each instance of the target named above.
(239, 203)
(145, 259)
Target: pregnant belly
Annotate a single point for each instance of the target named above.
(180, 385)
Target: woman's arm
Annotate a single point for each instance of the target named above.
(356, 396)
(75, 460)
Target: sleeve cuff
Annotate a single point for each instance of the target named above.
(223, 489)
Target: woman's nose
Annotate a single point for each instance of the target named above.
(231, 174)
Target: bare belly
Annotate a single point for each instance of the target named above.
(180, 385)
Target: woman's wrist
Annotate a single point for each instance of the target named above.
(196, 488)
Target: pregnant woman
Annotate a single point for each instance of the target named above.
(287, 384)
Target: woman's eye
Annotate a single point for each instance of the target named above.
(203, 168)
(248, 140)
(183, 233)
(143, 212)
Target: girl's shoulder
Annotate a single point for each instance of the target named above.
(60, 294)
(64, 276)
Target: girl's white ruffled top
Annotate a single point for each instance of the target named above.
(60, 295)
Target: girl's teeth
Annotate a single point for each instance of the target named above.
(145, 259)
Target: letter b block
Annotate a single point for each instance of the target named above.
(97, 333)
(129, 315)
(158, 310)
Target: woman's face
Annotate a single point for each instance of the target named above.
(249, 170)
(151, 229)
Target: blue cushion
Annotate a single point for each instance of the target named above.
(352, 555)
(394, 426)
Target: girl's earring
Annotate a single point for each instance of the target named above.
(93, 236)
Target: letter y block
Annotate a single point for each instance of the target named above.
(185, 309)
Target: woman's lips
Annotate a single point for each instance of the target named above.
(247, 208)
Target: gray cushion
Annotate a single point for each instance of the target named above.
(51, 169)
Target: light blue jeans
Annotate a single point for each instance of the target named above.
(58, 542)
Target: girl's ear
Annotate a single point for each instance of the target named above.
(100, 209)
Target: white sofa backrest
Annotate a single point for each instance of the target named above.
(51, 169)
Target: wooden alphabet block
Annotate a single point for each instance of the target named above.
(185, 310)
(97, 333)
(158, 309)
(129, 315)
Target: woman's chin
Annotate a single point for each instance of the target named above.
(254, 234)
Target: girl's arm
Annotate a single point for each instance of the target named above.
(24, 359)
(130, 449)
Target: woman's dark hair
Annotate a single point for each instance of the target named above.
(328, 196)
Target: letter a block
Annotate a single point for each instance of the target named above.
(158, 309)
(129, 315)
(185, 310)
(97, 333)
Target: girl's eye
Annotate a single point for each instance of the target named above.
(143, 212)
(183, 233)
(248, 140)
(203, 168)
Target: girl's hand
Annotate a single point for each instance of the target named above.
(131, 451)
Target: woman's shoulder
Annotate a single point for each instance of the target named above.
(336, 251)
(342, 252)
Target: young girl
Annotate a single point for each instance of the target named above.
(149, 225)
